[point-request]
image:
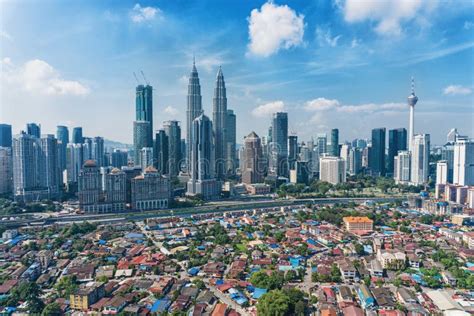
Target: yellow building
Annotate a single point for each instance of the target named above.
(87, 295)
(357, 224)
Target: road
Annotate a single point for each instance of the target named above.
(50, 218)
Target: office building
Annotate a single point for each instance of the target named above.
(5, 135)
(150, 190)
(355, 161)
(300, 174)
(77, 137)
(194, 109)
(146, 157)
(62, 135)
(74, 161)
(292, 151)
(463, 166)
(118, 158)
(231, 129)
(253, 168)
(402, 167)
(219, 117)
(420, 156)
(6, 171)
(90, 188)
(161, 152)
(130, 173)
(344, 154)
(442, 172)
(280, 144)
(334, 143)
(141, 130)
(173, 132)
(98, 152)
(397, 141)
(358, 224)
(322, 143)
(332, 169)
(447, 153)
(202, 181)
(144, 110)
(33, 129)
(377, 152)
(87, 149)
(116, 189)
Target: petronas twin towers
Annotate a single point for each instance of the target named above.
(210, 145)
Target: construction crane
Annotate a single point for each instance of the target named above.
(144, 78)
(136, 78)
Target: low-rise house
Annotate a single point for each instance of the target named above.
(383, 297)
(366, 299)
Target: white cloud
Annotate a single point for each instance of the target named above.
(267, 109)
(468, 25)
(323, 104)
(387, 14)
(170, 110)
(37, 76)
(5, 35)
(325, 38)
(141, 14)
(456, 90)
(274, 27)
(355, 42)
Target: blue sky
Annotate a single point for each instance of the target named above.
(344, 64)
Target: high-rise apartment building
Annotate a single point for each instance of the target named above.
(402, 167)
(292, 151)
(420, 156)
(98, 151)
(74, 162)
(332, 169)
(118, 158)
(463, 162)
(442, 172)
(6, 171)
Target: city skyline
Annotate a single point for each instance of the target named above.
(294, 74)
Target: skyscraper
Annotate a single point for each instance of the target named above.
(173, 132)
(332, 169)
(194, 108)
(280, 143)
(62, 135)
(377, 152)
(89, 187)
(420, 156)
(141, 130)
(442, 172)
(50, 173)
(6, 171)
(98, 151)
(397, 140)
(219, 115)
(74, 162)
(292, 151)
(161, 152)
(33, 129)
(144, 108)
(355, 160)
(253, 167)
(119, 158)
(334, 142)
(202, 179)
(412, 99)
(402, 167)
(322, 144)
(231, 142)
(77, 137)
(5, 135)
(116, 189)
(463, 162)
(146, 157)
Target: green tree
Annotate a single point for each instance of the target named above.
(273, 303)
(300, 308)
(52, 309)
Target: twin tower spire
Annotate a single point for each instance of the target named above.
(219, 116)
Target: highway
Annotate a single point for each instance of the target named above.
(51, 217)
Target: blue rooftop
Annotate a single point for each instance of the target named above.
(258, 292)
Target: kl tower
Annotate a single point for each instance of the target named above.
(412, 99)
